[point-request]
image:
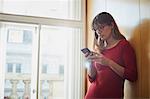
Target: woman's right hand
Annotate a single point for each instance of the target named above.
(90, 64)
(87, 55)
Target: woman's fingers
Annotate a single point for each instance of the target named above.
(86, 54)
(89, 54)
(98, 58)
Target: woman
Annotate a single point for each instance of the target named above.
(113, 60)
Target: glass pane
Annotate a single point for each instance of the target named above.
(63, 9)
(56, 46)
(18, 60)
(18, 68)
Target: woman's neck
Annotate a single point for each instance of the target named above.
(111, 42)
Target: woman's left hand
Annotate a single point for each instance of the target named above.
(100, 58)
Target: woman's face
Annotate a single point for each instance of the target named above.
(104, 31)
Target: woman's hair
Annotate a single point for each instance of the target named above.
(107, 19)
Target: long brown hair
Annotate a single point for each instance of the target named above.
(105, 18)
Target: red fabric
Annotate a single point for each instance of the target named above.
(107, 83)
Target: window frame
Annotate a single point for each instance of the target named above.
(5, 17)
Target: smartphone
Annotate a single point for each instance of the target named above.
(85, 50)
(96, 35)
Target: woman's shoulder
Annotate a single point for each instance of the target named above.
(124, 42)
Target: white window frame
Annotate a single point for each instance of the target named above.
(2, 60)
(80, 71)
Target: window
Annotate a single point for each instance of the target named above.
(15, 36)
(18, 68)
(9, 67)
(19, 36)
(61, 69)
(27, 36)
(13, 68)
(41, 39)
(44, 68)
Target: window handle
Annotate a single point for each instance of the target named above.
(33, 91)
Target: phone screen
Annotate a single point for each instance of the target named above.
(85, 50)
